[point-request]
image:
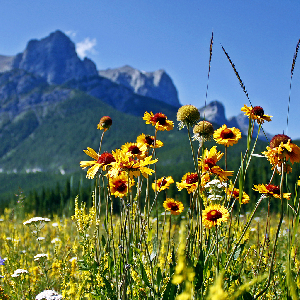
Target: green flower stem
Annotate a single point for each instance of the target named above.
(244, 231)
(276, 237)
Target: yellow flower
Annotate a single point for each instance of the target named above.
(162, 184)
(235, 193)
(214, 215)
(227, 136)
(175, 207)
(189, 181)
(104, 123)
(159, 120)
(101, 161)
(271, 190)
(256, 113)
(126, 163)
(282, 149)
(149, 141)
(136, 150)
(119, 185)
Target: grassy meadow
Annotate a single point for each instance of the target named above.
(137, 240)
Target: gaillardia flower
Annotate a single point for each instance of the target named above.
(127, 163)
(149, 141)
(281, 150)
(214, 215)
(136, 150)
(256, 113)
(187, 115)
(189, 181)
(119, 185)
(175, 207)
(271, 190)
(100, 161)
(203, 131)
(235, 193)
(162, 183)
(105, 123)
(159, 120)
(227, 136)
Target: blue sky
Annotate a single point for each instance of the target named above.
(259, 36)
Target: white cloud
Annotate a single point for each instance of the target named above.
(87, 45)
(71, 33)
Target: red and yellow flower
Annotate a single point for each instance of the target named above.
(100, 161)
(189, 181)
(214, 215)
(175, 207)
(159, 120)
(162, 183)
(271, 190)
(235, 193)
(256, 113)
(104, 123)
(119, 185)
(136, 150)
(227, 136)
(149, 141)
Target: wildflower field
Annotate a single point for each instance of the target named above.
(213, 246)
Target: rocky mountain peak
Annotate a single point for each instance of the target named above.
(55, 59)
(157, 84)
(214, 112)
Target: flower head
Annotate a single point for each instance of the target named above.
(271, 190)
(100, 161)
(119, 185)
(235, 193)
(162, 184)
(159, 120)
(36, 220)
(256, 113)
(175, 207)
(214, 215)
(149, 141)
(48, 295)
(189, 181)
(105, 123)
(227, 136)
(187, 115)
(203, 131)
(281, 150)
(2, 261)
(137, 150)
(19, 272)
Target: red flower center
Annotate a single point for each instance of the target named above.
(214, 215)
(160, 118)
(227, 134)
(105, 122)
(258, 111)
(173, 206)
(134, 149)
(106, 158)
(120, 185)
(162, 183)
(210, 162)
(273, 189)
(191, 178)
(278, 139)
(149, 140)
(236, 193)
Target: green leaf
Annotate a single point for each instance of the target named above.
(110, 292)
(144, 275)
(199, 271)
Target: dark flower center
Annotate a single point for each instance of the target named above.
(162, 183)
(277, 139)
(210, 162)
(173, 206)
(273, 189)
(106, 158)
(105, 122)
(160, 118)
(120, 186)
(134, 149)
(236, 193)
(214, 215)
(258, 111)
(227, 134)
(149, 140)
(191, 178)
